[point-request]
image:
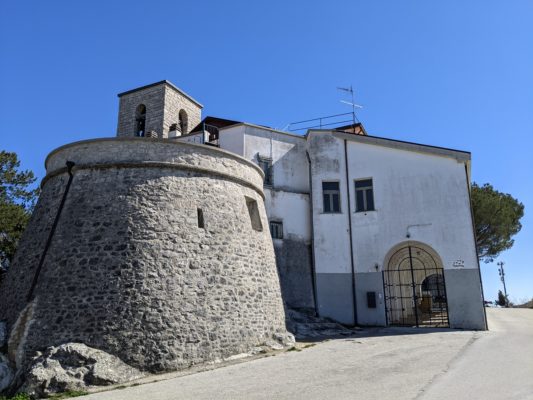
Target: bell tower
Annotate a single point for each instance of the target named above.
(158, 110)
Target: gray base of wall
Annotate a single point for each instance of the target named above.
(465, 299)
(293, 258)
(334, 297)
(370, 282)
(335, 301)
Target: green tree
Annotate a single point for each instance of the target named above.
(17, 199)
(497, 219)
(502, 299)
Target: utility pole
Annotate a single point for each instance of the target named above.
(502, 277)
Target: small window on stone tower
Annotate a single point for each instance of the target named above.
(183, 122)
(201, 222)
(253, 210)
(140, 120)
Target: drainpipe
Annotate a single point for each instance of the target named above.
(475, 245)
(69, 165)
(354, 300)
(313, 270)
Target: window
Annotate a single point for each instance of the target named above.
(140, 120)
(371, 299)
(183, 122)
(364, 195)
(201, 223)
(276, 229)
(331, 195)
(266, 165)
(253, 210)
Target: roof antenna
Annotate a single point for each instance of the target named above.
(350, 103)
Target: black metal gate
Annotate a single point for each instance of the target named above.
(415, 290)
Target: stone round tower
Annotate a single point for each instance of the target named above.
(155, 251)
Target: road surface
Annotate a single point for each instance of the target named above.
(376, 364)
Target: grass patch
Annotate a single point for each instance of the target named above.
(67, 395)
(58, 396)
(18, 396)
(294, 349)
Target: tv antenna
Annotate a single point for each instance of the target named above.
(351, 103)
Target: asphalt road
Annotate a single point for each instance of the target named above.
(498, 365)
(377, 364)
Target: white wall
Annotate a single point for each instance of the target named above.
(288, 199)
(293, 210)
(410, 188)
(331, 241)
(287, 151)
(197, 138)
(232, 139)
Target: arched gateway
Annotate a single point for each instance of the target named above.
(415, 290)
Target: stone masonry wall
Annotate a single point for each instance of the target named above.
(129, 270)
(163, 104)
(153, 98)
(174, 102)
(294, 262)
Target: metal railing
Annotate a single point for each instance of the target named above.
(323, 122)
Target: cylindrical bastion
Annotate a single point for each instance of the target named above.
(161, 256)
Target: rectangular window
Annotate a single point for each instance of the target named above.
(201, 223)
(371, 299)
(276, 229)
(255, 217)
(331, 196)
(266, 165)
(364, 195)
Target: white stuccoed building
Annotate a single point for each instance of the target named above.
(366, 230)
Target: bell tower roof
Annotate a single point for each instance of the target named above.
(163, 82)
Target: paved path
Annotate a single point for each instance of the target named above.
(387, 364)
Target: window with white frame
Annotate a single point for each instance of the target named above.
(364, 195)
(331, 197)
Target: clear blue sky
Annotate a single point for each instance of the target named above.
(452, 73)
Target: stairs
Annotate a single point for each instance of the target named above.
(304, 325)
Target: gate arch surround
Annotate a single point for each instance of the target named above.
(408, 299)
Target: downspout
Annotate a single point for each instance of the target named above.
(354, 300)
(313, 270)
(70, 165)
(475, 245)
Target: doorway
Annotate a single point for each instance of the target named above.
(415, 289)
